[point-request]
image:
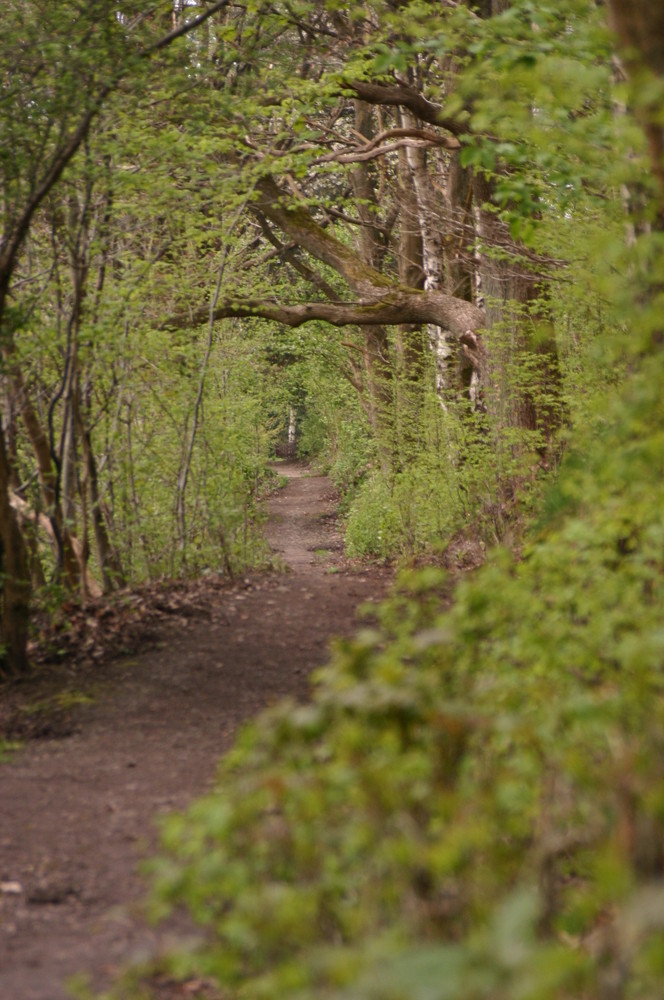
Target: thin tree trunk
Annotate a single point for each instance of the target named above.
(413, 354)
(63, 541)
(16, 589)
(378, 366)
(109, 562)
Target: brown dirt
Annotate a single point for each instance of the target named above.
(78, 805)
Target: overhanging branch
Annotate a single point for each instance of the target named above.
(402, 306)
(400, 95)
(362, 156)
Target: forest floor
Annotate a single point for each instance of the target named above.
(133, 738)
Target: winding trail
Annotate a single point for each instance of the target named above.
(77, 814)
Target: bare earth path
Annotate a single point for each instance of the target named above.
(77, 813)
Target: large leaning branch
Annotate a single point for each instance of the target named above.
(300, 227)
(380, 300)
(400, 306)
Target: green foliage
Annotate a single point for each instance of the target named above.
(451, 473)
(471, 806)
(349, 448)
(53, 65)
(533, 86)
(7, 748)
(333, 428)
(538, 82)
(153, 216)
(126, 242)
(465, 782)
(372, 528)
(418, 508)
(228, 461)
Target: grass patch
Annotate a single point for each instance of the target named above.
(8, 747)
(62, 701)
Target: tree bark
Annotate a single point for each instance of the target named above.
(403, 96)
(401, 305)
(381, 298)
(639, 25)
(15, 570)
(66, 546)
(378, 363)
(447, 353)
(109, 562)
(413, 355)
(521, 376)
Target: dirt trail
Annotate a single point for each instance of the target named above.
(77, 814)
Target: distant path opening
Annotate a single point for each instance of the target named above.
(301, 529)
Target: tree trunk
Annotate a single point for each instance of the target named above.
(431, 232)
(379, 375)
(460, 272)
(15, 581)
(639, 25)
(521, 377)
(64, 542)
(109, 562)
(413, 355)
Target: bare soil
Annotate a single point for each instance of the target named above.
(80, 799)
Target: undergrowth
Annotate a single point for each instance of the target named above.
(472, 805)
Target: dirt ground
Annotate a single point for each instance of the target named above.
(78, 805)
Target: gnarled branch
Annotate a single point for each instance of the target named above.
(399, 306)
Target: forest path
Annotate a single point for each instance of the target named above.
(77, 814)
